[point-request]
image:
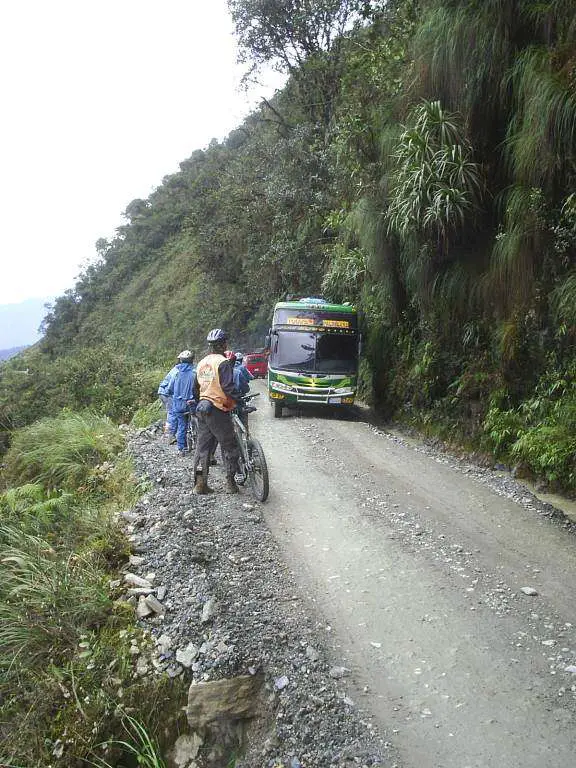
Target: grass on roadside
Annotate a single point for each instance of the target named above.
(149, 414)
(67, 677)
(61, 452)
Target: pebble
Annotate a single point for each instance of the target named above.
(338, 672)
(281, 682)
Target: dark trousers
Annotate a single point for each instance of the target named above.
(213, 428)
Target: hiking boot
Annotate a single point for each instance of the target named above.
(231, 486)
(171, 439)
(201, 487)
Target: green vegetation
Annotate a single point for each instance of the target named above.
(66, 670)
(541, 432)
(420, 161)
(61, 452)
(142, 746)
(148, 415)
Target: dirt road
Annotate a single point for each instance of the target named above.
(418, 567)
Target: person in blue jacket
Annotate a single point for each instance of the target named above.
(166, 399)
(181, 390)
(242, 378)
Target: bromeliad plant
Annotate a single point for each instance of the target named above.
(435, 186)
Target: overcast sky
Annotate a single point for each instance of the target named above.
(100, 100)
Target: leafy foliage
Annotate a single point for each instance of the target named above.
(541, 431)
(420, 160)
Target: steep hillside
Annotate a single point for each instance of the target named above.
(419, 161)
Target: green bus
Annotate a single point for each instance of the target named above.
(314, 349)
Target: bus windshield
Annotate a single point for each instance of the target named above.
(315, 352)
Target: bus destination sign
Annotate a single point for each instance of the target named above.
(317, 320)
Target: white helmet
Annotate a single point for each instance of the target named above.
(186, 354)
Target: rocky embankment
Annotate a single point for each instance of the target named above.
(223, 611)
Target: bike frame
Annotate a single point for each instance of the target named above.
(242, 434)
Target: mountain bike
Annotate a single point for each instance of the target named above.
(252, 462)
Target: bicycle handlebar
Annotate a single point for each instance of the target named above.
(247, 398)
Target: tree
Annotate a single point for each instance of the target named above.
(302, 38)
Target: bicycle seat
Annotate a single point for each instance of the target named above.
(250, 409)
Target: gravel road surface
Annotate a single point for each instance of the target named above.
(448, 590)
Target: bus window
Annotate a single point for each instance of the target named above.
(294, 351)
(336, 353)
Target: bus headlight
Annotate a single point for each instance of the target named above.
(343, 391)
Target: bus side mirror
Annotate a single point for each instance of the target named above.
(360, 344)
(267, 341)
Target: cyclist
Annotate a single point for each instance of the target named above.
(242, 379)
(215, 392)
(167, 399)
(180, 389)
(242, 376)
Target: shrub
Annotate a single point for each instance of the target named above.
(550, 451)
(35, 511)
(148, 415)
(541, 431)
(60, 452)
(502, 429)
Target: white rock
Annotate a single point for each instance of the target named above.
(186, 656)
(529, 591)
(164, 643)
(281, 682)
(337, 672)
(136, 581)
(208, 610)
(155, 604)
(143, 609)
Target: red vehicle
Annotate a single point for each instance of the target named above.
(257, 364)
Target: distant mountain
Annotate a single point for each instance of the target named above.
(6, 354)
(19, 323)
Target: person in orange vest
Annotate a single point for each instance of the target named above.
(216, 395)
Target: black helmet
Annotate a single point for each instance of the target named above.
(215, 335)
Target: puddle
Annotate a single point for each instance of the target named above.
(568, 506)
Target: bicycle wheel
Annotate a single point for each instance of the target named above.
(191, 434)
(258, 471)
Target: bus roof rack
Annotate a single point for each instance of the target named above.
(314, 299)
